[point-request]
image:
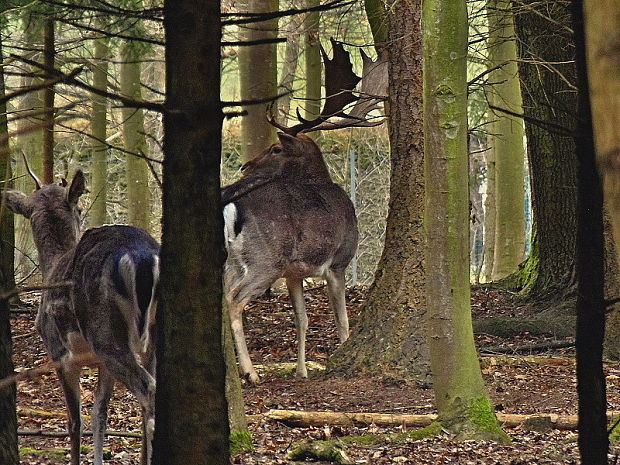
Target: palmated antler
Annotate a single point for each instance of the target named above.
(340, 81)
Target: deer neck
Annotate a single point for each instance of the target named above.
(52, 243)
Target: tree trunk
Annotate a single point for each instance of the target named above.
(489, 216)
(99, 163)
(49, 53)
(291, 57)
(378, 19)
(191, 409)
(138, 193)
(312, 52)
(8, 415)
(463, 405)
(257, 77)
(548, 75)
(390, 336)
(593, 438)
(507, 140)
(602, 32)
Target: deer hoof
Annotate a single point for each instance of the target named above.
(252, 378)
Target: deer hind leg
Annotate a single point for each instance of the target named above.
(296, 293)
(245, 289)
(337, 301)
(105, 386)
(69, 377)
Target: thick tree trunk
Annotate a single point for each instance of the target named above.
(99, 162)
(593, 438)
(507, 140)
(49, 53)
(390, 335)
(8, 415)
(312, 53)
(602, 32)
(138, 193)
(191, 409)
(258, 78)
(463, 405)
(549, 96)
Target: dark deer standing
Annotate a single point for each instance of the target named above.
(105, 317)
(287, 219)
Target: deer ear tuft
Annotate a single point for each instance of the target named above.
(18, 202)
(77, 188)
(291, 144)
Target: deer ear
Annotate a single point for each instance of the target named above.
(77, 188)
(18, 202)
(291, 144)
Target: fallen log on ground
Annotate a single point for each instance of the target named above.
(63, 434)
(300, 418)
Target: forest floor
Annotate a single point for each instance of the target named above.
(538, 383)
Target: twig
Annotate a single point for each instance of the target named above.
(63, 434)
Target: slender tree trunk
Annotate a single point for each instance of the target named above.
(257, 77)
(8, 415)
(602, 32)
(312, 52)
(49, 53)
(489, 216)
(549, 96)
(289, 68)
(138, 193)
(99, 163)
(507, 141)
(390, 336)
(463, 405)
(191, 409)
(593, 439)
(378, 20)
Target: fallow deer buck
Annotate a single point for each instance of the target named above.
(286, 218)
(105, 316)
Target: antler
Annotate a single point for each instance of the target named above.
(37, 181)
(340, 80)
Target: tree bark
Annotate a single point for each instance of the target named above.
(390, 335)
(489, 216)
(99, 163)
(257, 78)
(8, 415)
(593, 438)
(463, 405)
(546, 51)
(507, 140)
(291, 57)
(312, 52)
(191, 408)
(138, 193)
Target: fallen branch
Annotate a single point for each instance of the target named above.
(541, 347)
(298, 418)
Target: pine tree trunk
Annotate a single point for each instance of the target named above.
(312, 53)
(549, 96)
(49, 53)
(191, 409)
(463, 405)
(390, 336)
(258, 78)
(507, 141)
(99, 163)
(138, 193)
(8, 415)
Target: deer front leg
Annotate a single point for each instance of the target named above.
(296, 293)
(105, 385)
(69, 377)
(337, 301)
(236, 323)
